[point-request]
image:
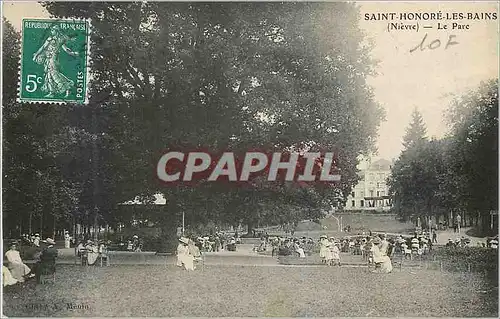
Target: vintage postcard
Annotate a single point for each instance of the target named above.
(250, 159)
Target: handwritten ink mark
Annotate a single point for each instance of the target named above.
(434, 44)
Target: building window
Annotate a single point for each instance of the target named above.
(362, 203)
(378, 193)
(353, 203)
(371, 193)
(352, 194)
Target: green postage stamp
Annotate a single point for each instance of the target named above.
(54, 61)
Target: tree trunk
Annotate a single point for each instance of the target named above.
(250, 227)
(485, 222)
(95, 226)
(54, 229)
(29, 224)
(41, 225)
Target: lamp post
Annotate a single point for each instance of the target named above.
(183, 223)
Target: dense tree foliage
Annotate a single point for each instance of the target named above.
(222, 76)
(457, 174)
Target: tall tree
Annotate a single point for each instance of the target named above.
(411, 170)
(416, 131)
(474, 149)
(458, 172)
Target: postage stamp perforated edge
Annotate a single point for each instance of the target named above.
(88, 62)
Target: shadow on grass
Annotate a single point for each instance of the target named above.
(477, 232)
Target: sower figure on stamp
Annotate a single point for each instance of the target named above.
(48, 56)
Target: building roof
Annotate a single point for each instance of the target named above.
(159, 200)
(380, 165)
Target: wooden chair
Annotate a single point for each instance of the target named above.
(200, 260)
(45, 273)
(103, 257)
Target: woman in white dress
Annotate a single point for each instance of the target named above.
(194, 251)
(36, 240)
(67, 239)
(299, 250)
(380, 259)
(92, 252)
(184, 258)
(15, 264)
(335, 252)
(325, 252)
(7, 278)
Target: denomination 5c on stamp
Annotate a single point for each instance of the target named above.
(54, 61)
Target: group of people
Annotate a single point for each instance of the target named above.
(458, 242)
(465, 242)
(329, 250)
(216, 242)
(189, 249)
(14, 270)
(286, 246)
(33, 240)
(91, 251)
(135, 244)
(375, 250)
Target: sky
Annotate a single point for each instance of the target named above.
(427, 80)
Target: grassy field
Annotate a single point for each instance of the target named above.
(358, 222)
(253, 291)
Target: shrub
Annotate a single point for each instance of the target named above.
(468, 258)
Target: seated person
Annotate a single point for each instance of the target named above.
(15, 264)
(232, 244)
(380, 259)
(92, 252)
(284, 249)
(7, 278)
(194, 250)
(47, 263)
(80, 249)
(299, 250)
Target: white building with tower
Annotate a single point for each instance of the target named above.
(372, 191)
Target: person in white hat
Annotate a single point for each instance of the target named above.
(334, 248)
(494, 243)
(184, 258)
(36, 240)
(298, 249)
(67, 239)
(384, 244)
(47, 261)
(92, 252)
(325, 252)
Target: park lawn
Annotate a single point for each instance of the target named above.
(359, 223)
(243, 291)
